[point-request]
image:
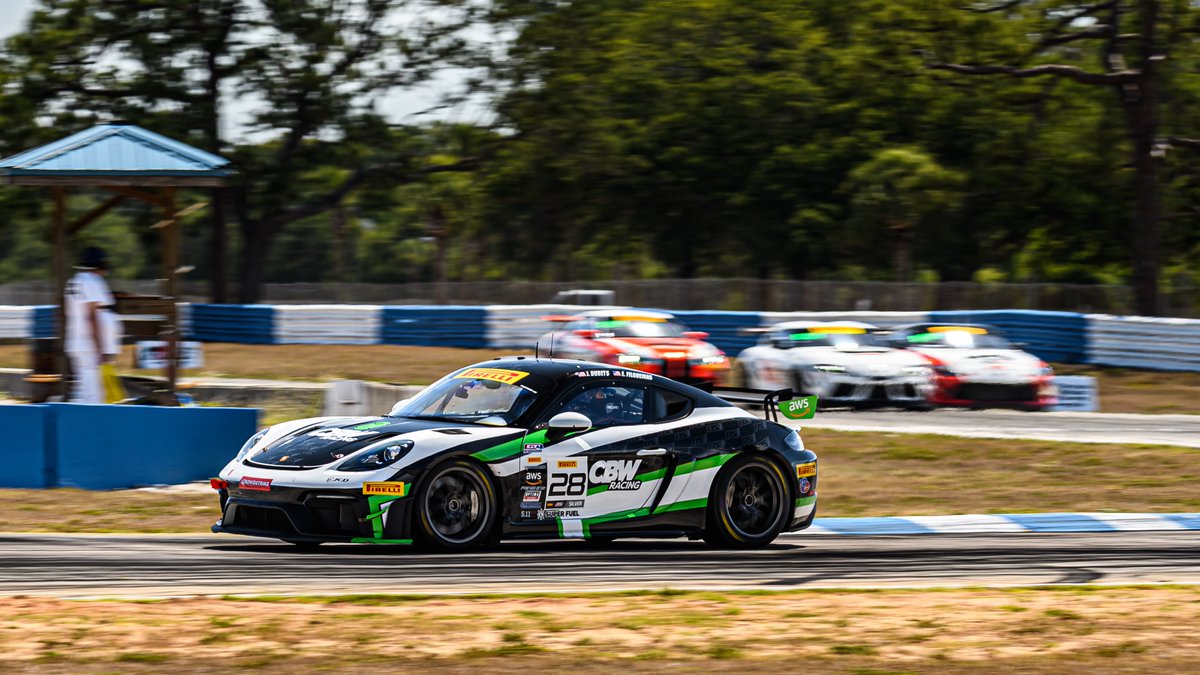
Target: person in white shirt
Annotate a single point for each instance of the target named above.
(87, 297)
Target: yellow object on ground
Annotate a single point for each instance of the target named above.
(113, 391)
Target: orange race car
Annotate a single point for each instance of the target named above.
(653, 342)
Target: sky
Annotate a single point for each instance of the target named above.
(402, 107)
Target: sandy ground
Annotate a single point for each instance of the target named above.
(977, 630)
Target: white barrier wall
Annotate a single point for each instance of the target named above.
(519, 326)
(16, 321)
(1143, 342)
(327, 324)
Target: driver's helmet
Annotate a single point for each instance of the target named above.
(596, 404)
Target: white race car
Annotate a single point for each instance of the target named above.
(844, 363)
(974, 365)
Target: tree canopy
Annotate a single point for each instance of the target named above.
(1036, 140)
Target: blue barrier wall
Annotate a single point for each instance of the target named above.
(245, 324)
(101, 447)
(723, 327)
(445, 326)
(45, 321)
(1052, 336)
(22, 446)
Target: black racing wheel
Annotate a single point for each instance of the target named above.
(749, 505)
(456, 507)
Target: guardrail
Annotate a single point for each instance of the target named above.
(1065, 337)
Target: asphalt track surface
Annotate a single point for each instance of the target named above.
(1181, 430)
(170, 566)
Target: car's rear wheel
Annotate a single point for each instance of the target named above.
(456, 507)
(749, 505)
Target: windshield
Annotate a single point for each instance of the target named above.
(959, 338)
(844, 340)
(639, 328)
(473, 395)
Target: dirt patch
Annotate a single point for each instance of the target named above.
(906, 474)
(380, 363)
(1121, 390)
(1038, 631)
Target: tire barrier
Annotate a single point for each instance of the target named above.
(433, 326)
(1143, 342)
(16, 321)
(1051, 336)
(1063, 337)
(103, 447)
(519, 326)
(327, 324)
(243, 324)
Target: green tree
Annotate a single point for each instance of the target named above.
(314, 69)
(895, 195)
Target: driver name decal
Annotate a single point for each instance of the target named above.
(494, 374)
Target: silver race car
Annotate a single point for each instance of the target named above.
(844, 363)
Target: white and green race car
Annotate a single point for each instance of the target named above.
(529, 448)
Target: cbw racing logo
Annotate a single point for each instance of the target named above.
(618, 473)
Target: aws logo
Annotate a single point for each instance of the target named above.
(617, 473)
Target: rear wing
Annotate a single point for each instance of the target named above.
(769, 400)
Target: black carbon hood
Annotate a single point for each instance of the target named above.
(323, 444)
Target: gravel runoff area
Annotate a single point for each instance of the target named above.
(1047, 630)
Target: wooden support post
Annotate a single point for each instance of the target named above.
(60, 264)
(170, 260)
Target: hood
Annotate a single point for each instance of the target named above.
(326, 441)
(869, 361)
(662, 347)
(981, 361)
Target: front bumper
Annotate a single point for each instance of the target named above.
(961, 392)
(314, 515)
(865, 391)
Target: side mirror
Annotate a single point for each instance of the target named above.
(783, 343)
(695, 334)
(586, 333)
(567, 423)
(398, 406)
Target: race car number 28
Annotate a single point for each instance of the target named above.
(568, 478)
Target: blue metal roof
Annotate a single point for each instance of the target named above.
(115, 150)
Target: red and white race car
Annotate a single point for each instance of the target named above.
(653, 342)
(974, 365)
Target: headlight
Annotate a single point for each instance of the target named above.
(944, 371)
(829, 369)
(916, 370)
(377, 457)
(628, 359)
(712, 360)
(249, 444)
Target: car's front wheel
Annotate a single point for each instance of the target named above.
(749, 505)
(456, 507)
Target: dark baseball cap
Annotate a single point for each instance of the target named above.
(93, 258)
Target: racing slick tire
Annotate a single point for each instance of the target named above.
(749, 505)
(456, 507)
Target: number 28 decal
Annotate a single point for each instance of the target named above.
(567, 484)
